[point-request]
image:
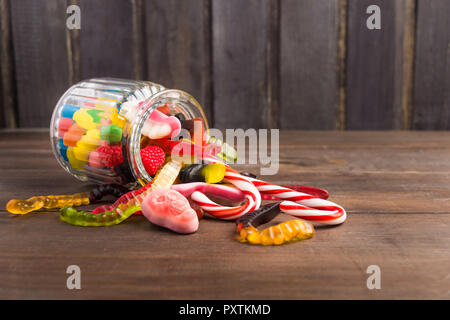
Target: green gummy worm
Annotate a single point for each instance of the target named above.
(87, 219)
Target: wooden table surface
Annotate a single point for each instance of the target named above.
(395, 187)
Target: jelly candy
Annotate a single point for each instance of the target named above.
(64, 125)
(164, 109)
(73, 134)
(106, 156)
(74, 162)
(118, 119)
(159, 126)
(209, 173)
(47, 202)
(68, 110)
(163, 180)
(111, 133)
(167, 175)
(52, 202)
(86, 219)
(152, 158)
(289, 231)
(170, 209)
(284, 232)
(86, 144)
(84, 119)
(62, 149)
(96, 115)
(123, 199)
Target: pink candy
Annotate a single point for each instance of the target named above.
(221, 191)
(170, 209)
(159, 126)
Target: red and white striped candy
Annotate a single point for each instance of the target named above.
(303, 205)
(230, 213)
(298, 204)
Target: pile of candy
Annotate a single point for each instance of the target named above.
(92, 139)
(182, 191)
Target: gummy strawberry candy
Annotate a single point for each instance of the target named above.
(106, 156)
(152, 158)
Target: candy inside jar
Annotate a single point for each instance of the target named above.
(122, 131)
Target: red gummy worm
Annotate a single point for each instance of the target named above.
(123, 199)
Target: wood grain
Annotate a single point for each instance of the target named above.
(374, 66)
(309, 64)
(106, 39)
(8, 114)
(73, 50)
(40, 55)
(432, 71)
(178, 50)
(394, 185)
(240, 33)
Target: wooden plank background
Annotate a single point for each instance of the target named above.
(291, 64)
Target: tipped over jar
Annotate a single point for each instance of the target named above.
(99, 127)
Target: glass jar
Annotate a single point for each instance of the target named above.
(98, 125)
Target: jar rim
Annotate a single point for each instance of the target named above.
(183, 100)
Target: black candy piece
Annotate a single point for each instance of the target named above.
(260, 216)
(180, 116)
(124, 172)
(192, 173)
(187, 124)
(248, 174)
(99, 192)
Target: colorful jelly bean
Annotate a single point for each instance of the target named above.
(74, 162)
(68, 110)
(88, 142)
(63, 126)
(84, 119)
(72, 135)
(62, 149)
(111, 133)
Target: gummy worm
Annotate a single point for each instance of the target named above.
(123, 199)
(54, 202)
(164, 179)
(186, 189)
(284, 232)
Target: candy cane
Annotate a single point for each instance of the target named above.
(297, 204)
(303, 205)
(230, 213)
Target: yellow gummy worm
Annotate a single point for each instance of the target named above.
(293, 230)
(48, 202)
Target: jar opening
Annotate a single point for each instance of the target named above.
(174, 102)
